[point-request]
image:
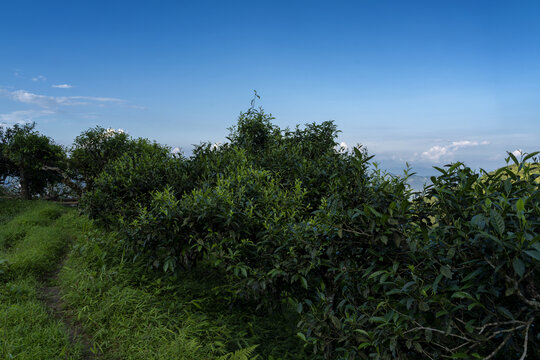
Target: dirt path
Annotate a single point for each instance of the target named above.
(52, 298)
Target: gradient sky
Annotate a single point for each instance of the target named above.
(428, 82)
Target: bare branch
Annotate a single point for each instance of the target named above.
(505, 330)
(440, 332)
(499, 347)
(526, 339)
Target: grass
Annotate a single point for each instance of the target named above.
(134, 315)
(28, 331)
(10, 208)
(30, 246)
(126, 312)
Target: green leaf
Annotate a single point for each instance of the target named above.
(514, 159)
(408, 285)
(519, 266)
(445, 270)
(497, 221)
(362, 331)
(376, 273)
(479, 220)
(533, 253)
(530, 155)
(336, 322)
(441, 313)
(375, 212)
(304, 282)
(509, 291)
(363, 345)
(409, 303)
(454, 167)
(436, 283)
(393, 291)
(472, 275)
(429, 335)
(520, 206)
(462, 295)
(507, 186)
(505, 312)
(301, 336)
(393, 344)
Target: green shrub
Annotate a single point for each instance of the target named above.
(158, 236)
(373, 269)
(126, 183)
(241, 222)
(459, 279)
(93, 150)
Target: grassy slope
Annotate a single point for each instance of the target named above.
(33, 237)
(134, 316)
(128, 313)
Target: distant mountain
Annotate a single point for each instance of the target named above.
(417, 182)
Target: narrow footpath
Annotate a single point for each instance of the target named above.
(51, 296)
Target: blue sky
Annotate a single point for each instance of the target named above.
(428, 82)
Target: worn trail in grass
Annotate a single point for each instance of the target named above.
(33, 239)
(68, 292)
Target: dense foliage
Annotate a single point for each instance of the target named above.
(92, 150)
(126, 183)
(28, 155)
(372, 269)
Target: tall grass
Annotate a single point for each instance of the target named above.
(134, 316)
(31, 244)
(126, 313)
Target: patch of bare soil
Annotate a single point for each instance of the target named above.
(51, 296)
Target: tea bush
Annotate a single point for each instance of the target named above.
(373, 270)
(242, 222)
(126, 183)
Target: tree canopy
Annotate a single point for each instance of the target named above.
(26, 154)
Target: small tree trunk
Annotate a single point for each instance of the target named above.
(25, 188)
(66, 180)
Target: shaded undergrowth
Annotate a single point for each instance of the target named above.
(134, 315)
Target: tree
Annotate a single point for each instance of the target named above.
(26, 154)
(6, 166)
(93, 149)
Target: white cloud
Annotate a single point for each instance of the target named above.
(62, 86)
(467, 143)
(39, 78)
(517, 152)
(176, 150)
(437, 153)
(46, 101)
(112, 132)
(216, 145)
(342, 147)
(23, 116)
